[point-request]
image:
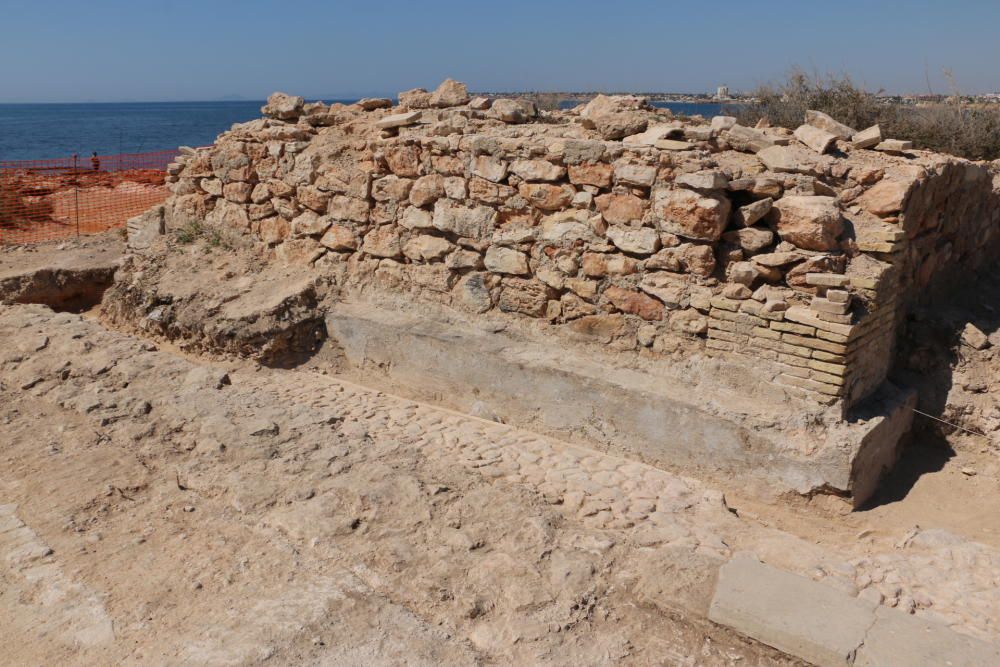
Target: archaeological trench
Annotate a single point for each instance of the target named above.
(704, 304)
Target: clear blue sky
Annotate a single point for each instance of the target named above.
(110, 50)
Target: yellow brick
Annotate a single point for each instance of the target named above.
(826, 367)
(764, 332)
(814, 343)
(794, 328)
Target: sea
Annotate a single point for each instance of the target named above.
(44, 131)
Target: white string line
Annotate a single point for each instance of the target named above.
(944, 421)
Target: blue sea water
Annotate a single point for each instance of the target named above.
(42, 131)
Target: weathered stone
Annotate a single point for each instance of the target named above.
(815, 138)
(640, 175)
(894, 145)
(808, 619)
(310, 224)
(635, 303)
(488, 192)
(479, 103)
(619, 125)
(808, 222)
(621, 209)
(777, 259)
(669, 288)
(372, 103)
(274, 230)
(887, 197)
(537, 170)
(638, 241)
(313, 198)
(283, 106)
(450, 93)
(822, 121)
(752, 213)
(489, 167)
(690, 214)
(475, 222)
(426, 247)
(415, 98)
(898, 638)
(348, 208)
(789, 159)
(390, 188)
(464, 259)
(674, 145)
(416, 218)
(751, 239)
(382, 242)
(598, 265)
(426, 190)
(512, 111)
(471, 293)
(529, 297)
(547, 197)
(867, 138)
(721, 123)
(747, 139)
(597, 174)
(340, 237)
(506, 260)
(237, 192)
(403, 160)
(708, 179)
(974, 337)
(399, 120)
(654, 134)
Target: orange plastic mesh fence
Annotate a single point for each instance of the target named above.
(42, 200)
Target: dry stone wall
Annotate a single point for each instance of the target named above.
(614, 221)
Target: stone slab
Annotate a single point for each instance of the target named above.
(678, 419)
(902, 639)
(793, 614)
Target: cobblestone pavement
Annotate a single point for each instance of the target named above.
(255, 483)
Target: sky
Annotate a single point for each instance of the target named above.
(154, 50)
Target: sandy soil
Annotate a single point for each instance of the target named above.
(163, 507)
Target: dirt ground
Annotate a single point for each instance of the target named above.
(160, 506)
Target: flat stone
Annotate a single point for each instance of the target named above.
(894, 146)
(398, 120)
(752, 213)
(819, 140)
(807, 619)
(673, 145)
(789, 159)
(708, 179)
(867, 138)
(824, 122)
(902, 639)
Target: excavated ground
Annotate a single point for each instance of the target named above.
(159, 506)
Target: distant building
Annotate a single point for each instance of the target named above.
(722, 93)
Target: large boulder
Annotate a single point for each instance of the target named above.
(283, 106)
(513, 111)
(808, 222)
(450, 93)
(693, 215)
